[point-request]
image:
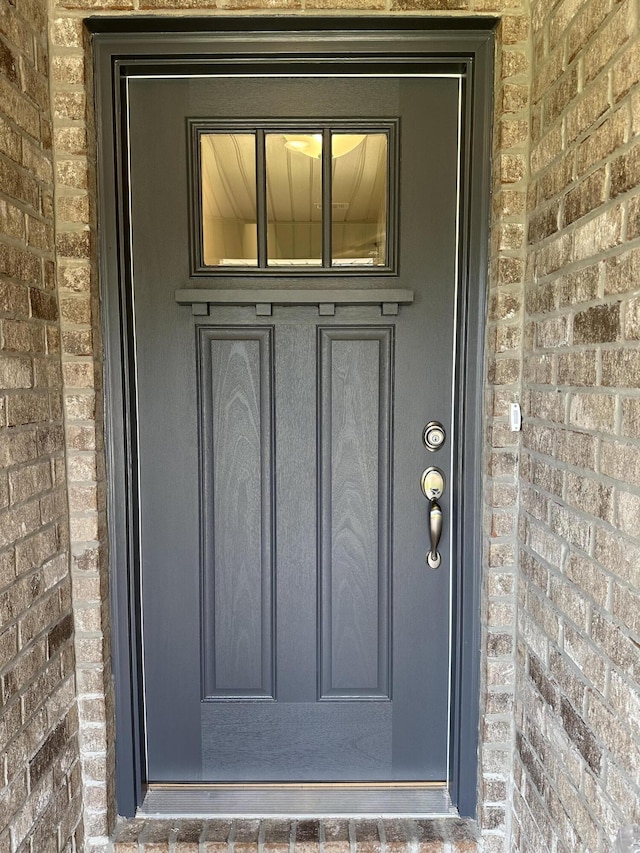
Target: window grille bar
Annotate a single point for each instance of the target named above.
(327, 210)
(261, 198)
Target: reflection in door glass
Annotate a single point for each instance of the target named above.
(294, 199)
(359, 199)
(229, 230)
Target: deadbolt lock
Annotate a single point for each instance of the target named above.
(433, 435)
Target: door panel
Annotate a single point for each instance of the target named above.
(236, 413)
(354, 479)
(292, 631)
(301, 741)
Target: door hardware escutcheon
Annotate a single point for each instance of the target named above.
(433, 435)
(432, 484)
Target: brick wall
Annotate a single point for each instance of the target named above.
(81, 352)
(578, 700)
(40, 788)
(501, 457)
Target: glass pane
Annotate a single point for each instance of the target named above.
(229, 231)
(359, 203)
(294, 199)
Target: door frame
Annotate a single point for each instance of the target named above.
(133, 46)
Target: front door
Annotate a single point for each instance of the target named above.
(294, 264)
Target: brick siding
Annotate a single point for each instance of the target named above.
(75, 179)
(40, 781)
(449, 835)
(501, 452)
(578, 699)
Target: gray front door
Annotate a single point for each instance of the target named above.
(292, 630)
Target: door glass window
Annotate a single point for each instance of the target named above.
(294, 199)
(359, 199)
(229, 220)
(302, 197)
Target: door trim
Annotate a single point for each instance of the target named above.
(139, 46)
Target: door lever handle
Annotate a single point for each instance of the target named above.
(432, 484)
(435, 531)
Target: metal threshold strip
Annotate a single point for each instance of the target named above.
(410, 800)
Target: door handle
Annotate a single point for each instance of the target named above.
(435, 530)
(432, 484)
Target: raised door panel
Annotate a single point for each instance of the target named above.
(236, 416)
(355, 406)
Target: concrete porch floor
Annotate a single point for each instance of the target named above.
(445, 835)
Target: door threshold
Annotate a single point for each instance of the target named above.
(298, 801)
